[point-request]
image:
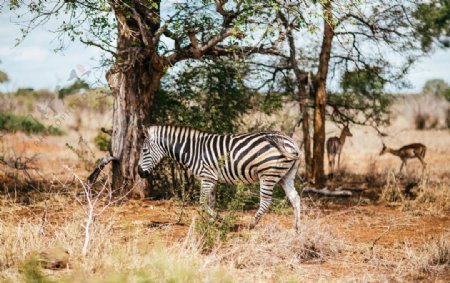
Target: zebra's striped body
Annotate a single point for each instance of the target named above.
(269, 157)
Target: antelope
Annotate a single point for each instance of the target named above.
(414, 150)
(334, 147)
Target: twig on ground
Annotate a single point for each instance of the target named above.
(372, 249)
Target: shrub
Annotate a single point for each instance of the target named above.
(11, 122)
(77, 86)
(32, 273)
(392, 192)
(213, 231)
(428, 111)
(433, 257)
(448, 118)
(103, 141)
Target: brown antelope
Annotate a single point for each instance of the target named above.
(334, 147)
(414, 150)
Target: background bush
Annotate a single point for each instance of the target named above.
(11, 122)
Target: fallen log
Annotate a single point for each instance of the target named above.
(327, 192)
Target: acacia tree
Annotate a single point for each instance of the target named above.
(356, 41)
(150, 38)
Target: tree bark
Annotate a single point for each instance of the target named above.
(134, 85)
(320, 96)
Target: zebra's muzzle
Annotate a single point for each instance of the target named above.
(142, 173)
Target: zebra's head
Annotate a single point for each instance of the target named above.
(151, 155)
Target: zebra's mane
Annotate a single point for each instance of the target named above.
(269, 132)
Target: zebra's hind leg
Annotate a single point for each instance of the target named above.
(266, 183)
(207, 197)
(288, 185)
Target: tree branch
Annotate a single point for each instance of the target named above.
(91, 43)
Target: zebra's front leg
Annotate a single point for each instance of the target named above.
(207, 197)
(265, 195)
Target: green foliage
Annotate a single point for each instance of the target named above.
(281, 204)
(3, 77)
(11, 122)
(212, 231)
(32, 273)
(447, 120)
(103, 141)
(78, 85)
(433, 23)
(438, 87)
(362, 93)
(272, 102)
(210, 96)
(24, 91)
(367, 82)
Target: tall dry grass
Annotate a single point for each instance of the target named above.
(419, 197)
(130, 252)
(432, 257)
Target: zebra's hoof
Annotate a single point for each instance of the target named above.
(253, 224)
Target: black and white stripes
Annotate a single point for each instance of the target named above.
(269, 157)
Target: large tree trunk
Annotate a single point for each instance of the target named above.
(134, 86)
(321, 95)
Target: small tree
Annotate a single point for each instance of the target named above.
(75, 87)
(437, 87)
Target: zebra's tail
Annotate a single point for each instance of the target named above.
(275, 141)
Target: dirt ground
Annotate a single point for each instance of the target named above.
(375, 234)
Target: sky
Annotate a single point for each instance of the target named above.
(34, 63)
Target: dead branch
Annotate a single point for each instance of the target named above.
(106, 131)
(102, 163)
(19, 163)
(377, 239)
(327, 192)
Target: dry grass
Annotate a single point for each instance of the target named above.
(344, 245)
(113, 257)
(123, 251)
(275, 246)
(423, 198)
(432, 257)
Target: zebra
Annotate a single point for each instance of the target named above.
(270, 157)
